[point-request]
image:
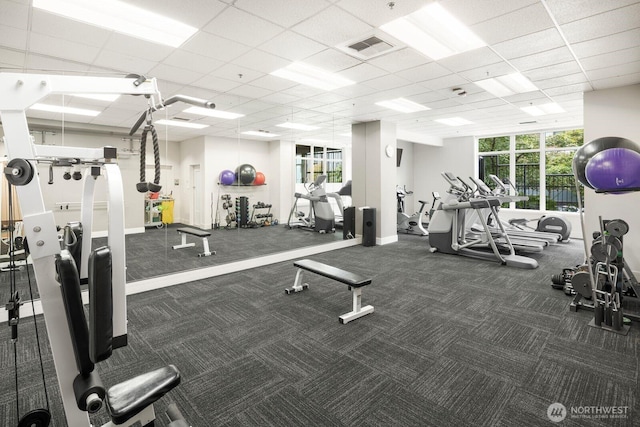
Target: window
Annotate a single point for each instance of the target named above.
(538, 164)
(325, 160)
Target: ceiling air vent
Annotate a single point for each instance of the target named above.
(367, 47)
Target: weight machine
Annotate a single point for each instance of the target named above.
(17, 93)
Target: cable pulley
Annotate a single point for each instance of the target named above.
(19, 172)
(35, 418)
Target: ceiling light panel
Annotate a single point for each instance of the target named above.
(454, 121)
(312, 76)
(64, 110)
(260, 133)
(213, 113)
(181, 124)
(507, 85)
(543, 109)
(434, 32)
(123, 18)
(402, 105)
(297, 126)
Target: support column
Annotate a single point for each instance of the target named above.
(374, 175)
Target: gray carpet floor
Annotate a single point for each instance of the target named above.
(452, 342)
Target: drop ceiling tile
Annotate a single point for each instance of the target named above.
(332, 60)
(13, 37)
(12, 58)
(232, 71)
(521, 22)
(625, 19)
(424, 72)
(470, 59)
(281, 12)
(574, 10)
(551, 71)
(292, 46)
(399, 60)
(362, 72)
(618, 57)
(332, 26)
(213, 82)
(530, 44)
(194, 62)
(543, 59)
(378, 13)
(136, 47)
(14, 14)
(69, 29)
(498, 69)
(602, 45)
(191, 12)
(561, 81)
(174, 74)
(242, 27)
(578, 88)
(448, 82)
(62, 49)
(248, 90)
(472, 12)
(281, 98)
(268, 81)
(117, 61)
(261, 61)
(210, 45)
(389, 81)
(614, 71)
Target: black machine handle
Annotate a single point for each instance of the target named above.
(172, 100)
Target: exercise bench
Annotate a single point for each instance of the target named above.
(353, 281)
(198, 233)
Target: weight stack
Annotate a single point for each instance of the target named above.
(242, 211)
(369, 227)
(349, 223)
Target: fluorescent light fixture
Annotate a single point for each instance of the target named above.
(507, 85)
(402, 105)
(543, 109)
(261, 133)
(213, 113)
(454, 121)
(434, 32)
(110, 97)
(181, 124)
(65, 110)
(312, 76)
(121, 17)
(297, 126)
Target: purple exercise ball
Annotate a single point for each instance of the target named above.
(584, 154)
(614, 169)
(227, 177)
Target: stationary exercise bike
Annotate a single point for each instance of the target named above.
(405, 223)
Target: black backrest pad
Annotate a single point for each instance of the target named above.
(100, 304)
(72, 296)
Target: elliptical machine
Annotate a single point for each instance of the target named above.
(405, 223)
(320, 217)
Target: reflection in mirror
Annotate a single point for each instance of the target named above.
(289, 147)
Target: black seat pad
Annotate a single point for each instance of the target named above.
(331, 272)
(194, 231)
(128, 398)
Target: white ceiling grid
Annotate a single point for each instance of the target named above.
(565, 47)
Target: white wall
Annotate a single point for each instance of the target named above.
(215, 154)
(614, 112)
(457, 155)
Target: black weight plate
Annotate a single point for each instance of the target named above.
(35, 418)
(581, 283)
(617, 227)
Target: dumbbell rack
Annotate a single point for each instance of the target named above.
(242, 211)
(261, 219)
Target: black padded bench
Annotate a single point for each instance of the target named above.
(355, 283)
(203, 234)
